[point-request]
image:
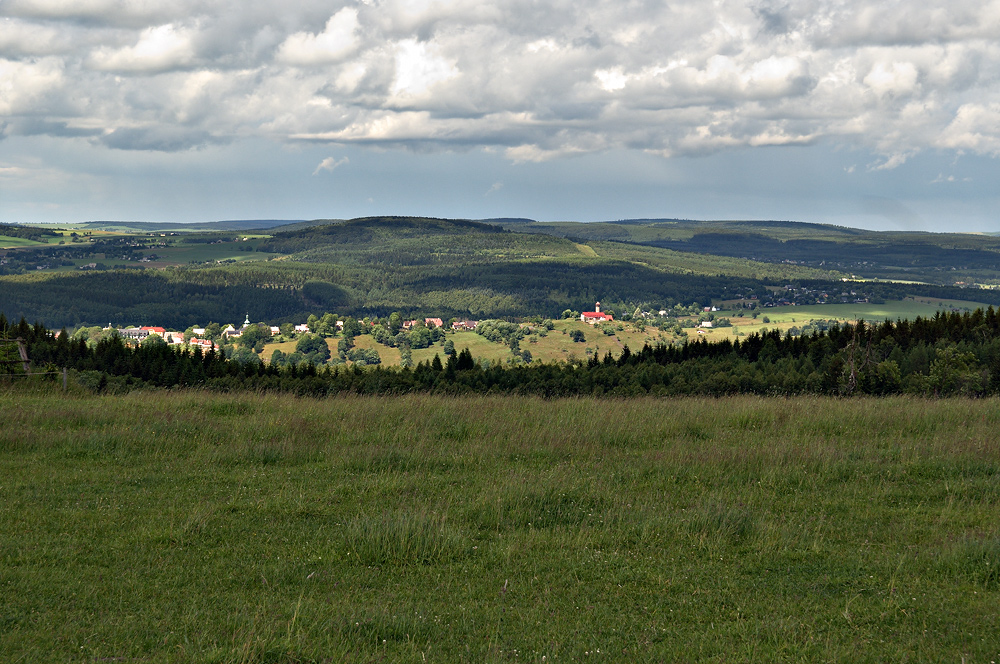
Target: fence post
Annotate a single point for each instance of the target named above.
(23, 350)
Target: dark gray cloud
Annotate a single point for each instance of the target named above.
(43, 127)
(162, 139)
(773, 17)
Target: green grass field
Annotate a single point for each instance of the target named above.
(14, 242)
(64, 236)
(690, 263)
(182, 254)
(784, 318)
(187, 526)
(908, 308)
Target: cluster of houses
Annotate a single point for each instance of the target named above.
(230, 332)
(437, 322)
(172, 338)
(138, 334)
(195, 338)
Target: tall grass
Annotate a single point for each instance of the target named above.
(187, 526)
(403, 538)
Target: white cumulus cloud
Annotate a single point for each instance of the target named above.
(534, 80)
(336, 41)
(158, 49)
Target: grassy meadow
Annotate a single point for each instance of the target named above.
(15, 242)
(186, 526)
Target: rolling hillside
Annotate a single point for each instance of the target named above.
(444, 267)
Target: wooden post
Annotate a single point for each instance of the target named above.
(24, 355)
(22, 350)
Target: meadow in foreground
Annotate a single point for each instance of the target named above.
(192, 526)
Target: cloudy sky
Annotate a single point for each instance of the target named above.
(875, 114)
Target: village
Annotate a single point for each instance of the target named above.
(394, 340)
(196, 336)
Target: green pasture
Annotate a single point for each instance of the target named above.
(784, 318)
(183, 526)
(7, 242)
(182, 254)
(679, 262)
(908, 309)
(558, 346)
(14, 242)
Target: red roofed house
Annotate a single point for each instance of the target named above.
(155, 330)
(202, 343)
(596, 316)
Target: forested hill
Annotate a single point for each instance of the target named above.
(367, 231)
(503, 268)
(936, 258)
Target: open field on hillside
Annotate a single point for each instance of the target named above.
(693, 263)
(183, 254)
(61, 235)
(557, 345)
(186, 526)
(12, 242)
(908, 308)
(784, 318)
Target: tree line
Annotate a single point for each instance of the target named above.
(947, 354)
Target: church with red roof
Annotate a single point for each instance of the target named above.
(596, 316)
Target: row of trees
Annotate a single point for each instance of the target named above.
(949, 354)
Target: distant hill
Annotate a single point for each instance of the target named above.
(649, 221)
(507, 220)
(505, 267)
(371, 233)
(177, 227)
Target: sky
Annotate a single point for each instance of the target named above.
(882, 115)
